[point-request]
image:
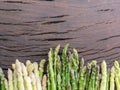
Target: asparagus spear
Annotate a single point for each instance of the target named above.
(14, 77)
(93, 76)
(2, 84)
(58, 73)
(19, 75)
(33, 81)
(117, 69)
(68, 69)
(87, 75)
(48, 79)
(55, 57)
(41, 68)
(30, 68)
(63, 73)
(10, 79)
(117, 82)
(44, 82)
(6, 84)
(74, 73)
(76, 65)
(81, 75)
(117, 75)
(28, 83)
(112, 76)
(104, 76)
(51, 72)
(36, 72)
(97, 78)
(82, 79)
(27, 80)
(76, 57)
(108, 80)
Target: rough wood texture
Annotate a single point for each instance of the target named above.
(28, 28)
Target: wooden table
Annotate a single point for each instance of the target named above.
(28, 28)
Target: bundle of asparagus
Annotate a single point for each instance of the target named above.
(65, 72)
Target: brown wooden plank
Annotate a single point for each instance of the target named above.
(28, 28)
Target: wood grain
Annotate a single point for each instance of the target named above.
(28, 28)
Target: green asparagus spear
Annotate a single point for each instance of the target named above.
(55, 57)
(108, 80)
(117, 75)
(76, 65)
(51, 72)
(81, 75)
(87, 76)
(2, 84)
(97, 78)
(48, 79)
(93, 76)
(104, 76)
(68, 69)
(117, 82)
(58, 73)
(63, 73)
(117, 69)
(82, 79)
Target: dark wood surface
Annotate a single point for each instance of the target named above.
(28, 28)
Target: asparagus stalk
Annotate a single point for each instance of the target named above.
(81, 75)
(10, 79)
(51, 72)
(33, 81)
(41, 68)
(82, 79)
(14, 77)
(36, 72)
(63, 73)
(6, 84)
(30, 68)
(55, 57)
(74, 78)
(108, 80)
(58, 73)
(44, 82)
(19, 75)
(27, 80)
(97, 78)
(48, 79)
(117, 69)
(117, 75)
(104, 76)
(112, 76)
(68, 69)
(2, 84)
(76, 65)
(117, 82)
(87, 75)
(28, 83)
(93, 76)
